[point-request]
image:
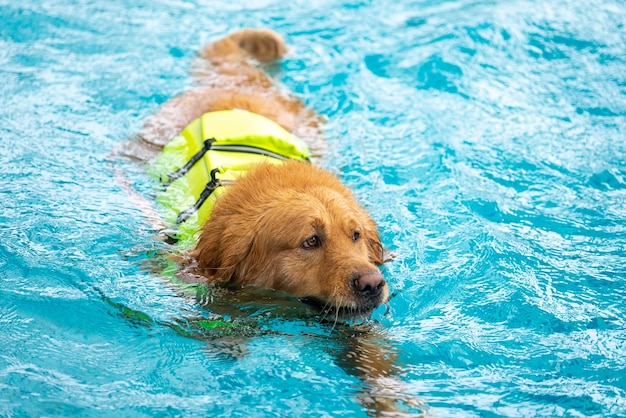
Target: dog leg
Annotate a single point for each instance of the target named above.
(369, 356)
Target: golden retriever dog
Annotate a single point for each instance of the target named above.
(289, 226)
(293, 226)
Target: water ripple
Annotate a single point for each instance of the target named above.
(485, 137)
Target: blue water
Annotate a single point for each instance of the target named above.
(487, 138)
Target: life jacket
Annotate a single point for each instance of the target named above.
(212, 152)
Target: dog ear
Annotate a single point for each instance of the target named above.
(222, 250)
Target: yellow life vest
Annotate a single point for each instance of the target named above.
(213, 151)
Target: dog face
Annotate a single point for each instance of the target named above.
(293, 227)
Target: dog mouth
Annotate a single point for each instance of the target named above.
(329, 311)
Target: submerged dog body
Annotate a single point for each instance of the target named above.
(288, 226)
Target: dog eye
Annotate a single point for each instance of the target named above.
(355, 236)
(312, 242)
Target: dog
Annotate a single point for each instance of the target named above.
(284, 225)
(281, 224)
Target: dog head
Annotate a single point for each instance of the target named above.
(295, 228)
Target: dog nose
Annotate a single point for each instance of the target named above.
(370, 284)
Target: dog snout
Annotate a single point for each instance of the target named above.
(370, 284)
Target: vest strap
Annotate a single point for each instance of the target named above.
(208, 190)
(170, 178)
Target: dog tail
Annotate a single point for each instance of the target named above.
(261, 44)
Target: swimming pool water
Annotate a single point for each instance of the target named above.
(487, 138)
